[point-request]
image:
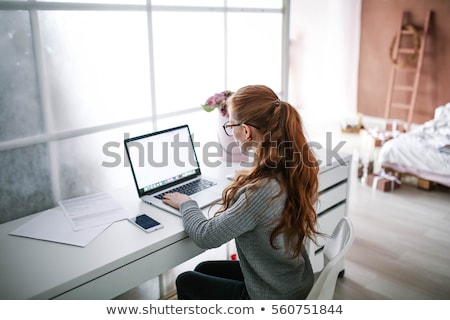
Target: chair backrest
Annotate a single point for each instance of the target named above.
(334, 252)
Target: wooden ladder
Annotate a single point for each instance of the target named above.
(406, 52)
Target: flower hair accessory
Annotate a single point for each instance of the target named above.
(218, 101)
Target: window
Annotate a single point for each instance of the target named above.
(97, 70)
(79, 76)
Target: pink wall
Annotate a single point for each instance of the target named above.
(379, 21)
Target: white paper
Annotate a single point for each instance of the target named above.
(92, 210)
(52, 225)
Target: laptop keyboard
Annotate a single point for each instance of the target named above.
(190, 188)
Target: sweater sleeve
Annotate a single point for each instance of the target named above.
(244, 215)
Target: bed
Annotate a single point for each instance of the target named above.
(424, 151)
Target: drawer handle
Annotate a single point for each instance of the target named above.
(332, 207)
(336, 185)
(319, 250)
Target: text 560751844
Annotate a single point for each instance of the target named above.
(306, 309)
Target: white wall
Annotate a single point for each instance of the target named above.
(324, 56)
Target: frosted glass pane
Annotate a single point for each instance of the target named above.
(205, 3)
(101, 1)
(272, 4)
(25, 186)
(97, 67)
(96, 162)
(189, 58)
(20, 114)
(204, 126)
(254, 50)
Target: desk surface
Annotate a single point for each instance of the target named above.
(36, 269)
(117, 260)
(42, 270)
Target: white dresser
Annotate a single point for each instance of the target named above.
(334, 179)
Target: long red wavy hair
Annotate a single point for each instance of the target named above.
(284, 155)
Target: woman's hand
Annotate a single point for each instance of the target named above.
(175, 199)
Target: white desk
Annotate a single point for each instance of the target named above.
(120, 258)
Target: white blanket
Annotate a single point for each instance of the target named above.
(419, 148)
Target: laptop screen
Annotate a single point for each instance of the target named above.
(162, 159)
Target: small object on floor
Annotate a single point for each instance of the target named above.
(383, 182)
(425, 184)
(370, 167)
(360, 170)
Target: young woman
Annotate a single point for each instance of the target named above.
(268, 210)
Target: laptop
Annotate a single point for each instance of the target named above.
(165, 161)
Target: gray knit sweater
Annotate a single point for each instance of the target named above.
(268, 273)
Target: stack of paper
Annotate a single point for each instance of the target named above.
(92, 210)
(76, 221)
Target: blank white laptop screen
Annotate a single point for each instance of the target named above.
(161, 159)
(165, 161)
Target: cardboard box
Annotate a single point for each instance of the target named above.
(382, 182)
(395, 125)
(377, 142)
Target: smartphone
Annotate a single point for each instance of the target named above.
(145, 223)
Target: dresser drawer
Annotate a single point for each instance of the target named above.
(328, 221)
(333, 176)
(332, 196)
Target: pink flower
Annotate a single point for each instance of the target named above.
(219, 101)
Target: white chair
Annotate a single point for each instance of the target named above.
(334, 252)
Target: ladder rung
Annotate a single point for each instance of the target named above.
(406, 50)
(404, 88)
(403, 106)
(407, 69)
(409, 32)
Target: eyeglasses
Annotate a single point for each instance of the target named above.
(228, 128)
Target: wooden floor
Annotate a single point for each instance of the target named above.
(402, 244)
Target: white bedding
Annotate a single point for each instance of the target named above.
(418, 152)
